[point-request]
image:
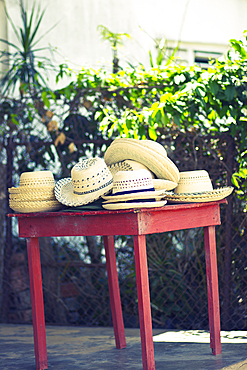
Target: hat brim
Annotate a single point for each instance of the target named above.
(160, 165)
(200, 197)
(65, 195)
(114, 206)
(135, 196)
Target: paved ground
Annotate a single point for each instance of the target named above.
(78, 348)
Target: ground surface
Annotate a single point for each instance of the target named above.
(79, 348)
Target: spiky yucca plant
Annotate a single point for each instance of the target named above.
(23, 66)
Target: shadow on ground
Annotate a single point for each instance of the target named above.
(79, 348)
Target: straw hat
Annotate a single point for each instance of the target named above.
(35, 193)
(90, 179)
(130, 165)
(133, 189)
(196, 186)
(147, 152)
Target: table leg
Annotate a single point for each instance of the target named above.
(116, 308)
(213, 289)
(143, 294)
(37, 303)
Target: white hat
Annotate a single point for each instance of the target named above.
(196, 186)
(130, 165)
(150, 153)
(35, 193)
(137, 186)
(90, 179)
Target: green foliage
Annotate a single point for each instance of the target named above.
(165, 55)
(116, 40)
(141, 103)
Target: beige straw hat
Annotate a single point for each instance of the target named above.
(90, 179)
(147, 152)
(35, 193)
(196, 186)
(133, 189)
(130, 165)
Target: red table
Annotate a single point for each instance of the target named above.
(125, 222)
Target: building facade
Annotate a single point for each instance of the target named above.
(201, 28)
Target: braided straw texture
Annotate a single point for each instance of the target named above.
(31, 189)
(33, 195)
(35, 206)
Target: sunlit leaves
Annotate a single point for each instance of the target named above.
(239, 47)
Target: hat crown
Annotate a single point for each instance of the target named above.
(37, 179)
(132, 181)
(127, 165)
(90, 175)
(150, 144)
(193, 181)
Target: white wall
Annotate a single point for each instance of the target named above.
(208, 23)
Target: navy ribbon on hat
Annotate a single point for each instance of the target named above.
(133, 191)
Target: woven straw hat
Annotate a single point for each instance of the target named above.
(133, 189)
(196, 186)
(130, 165)
(90, 179)
(35, 193)
(147, 152)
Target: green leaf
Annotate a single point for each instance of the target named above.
(222, 112)
(14, 120)
(67, 91)
(176, 119)
(98, 115)
(200, 92)
(237, 45)
(212, 115)
(243, 173)
(214, 87)
(151, 59)
(152, 133)
(235, 180)
(230, 92)
(45, 99)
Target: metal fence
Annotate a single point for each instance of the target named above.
(74, 271)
